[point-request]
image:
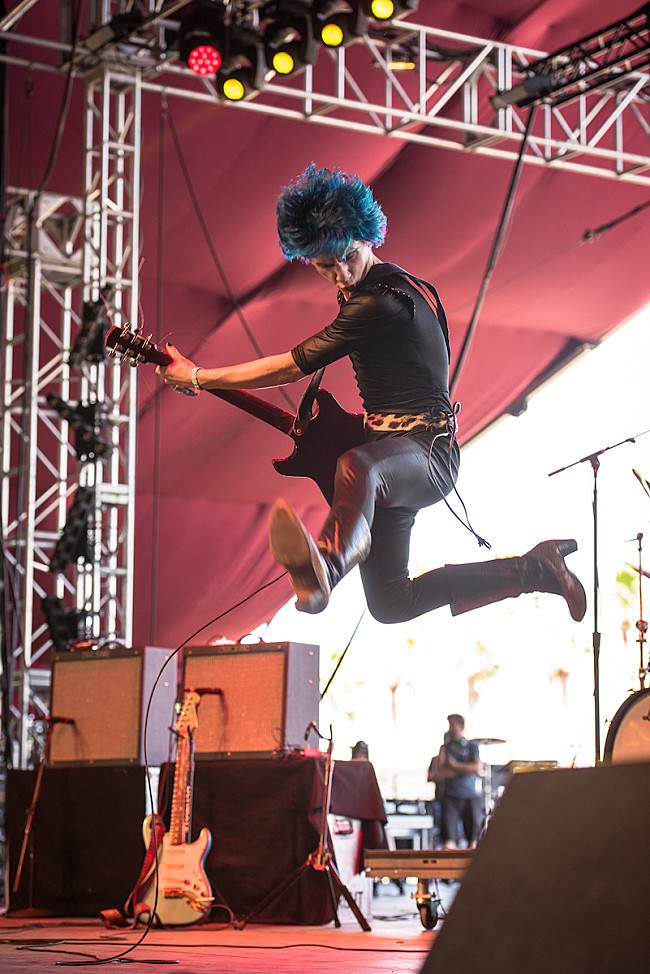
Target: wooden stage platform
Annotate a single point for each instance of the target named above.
(396, 944)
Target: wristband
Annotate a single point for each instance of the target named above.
(195, 381)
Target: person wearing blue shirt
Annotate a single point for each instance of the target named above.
(459, 767)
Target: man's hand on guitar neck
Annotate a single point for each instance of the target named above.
(272, 370)
(179, 371)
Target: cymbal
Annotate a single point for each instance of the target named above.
(488, 740)
(644, 483)
(636, 569)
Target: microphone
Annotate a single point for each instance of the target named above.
(205, 690)
(59, 720)
(311, 725)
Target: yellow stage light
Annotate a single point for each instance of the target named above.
(331, 35)
(382, 9)
(233, 89)
(283, 62)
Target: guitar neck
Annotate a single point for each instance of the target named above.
(181, 793)
(272, 415)
(136, 349)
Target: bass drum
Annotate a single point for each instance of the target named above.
(628, 738)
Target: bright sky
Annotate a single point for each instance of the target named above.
(521, 670)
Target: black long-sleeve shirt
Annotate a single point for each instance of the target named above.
(396, 344)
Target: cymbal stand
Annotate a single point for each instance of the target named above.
(641, 625)
(319, 860)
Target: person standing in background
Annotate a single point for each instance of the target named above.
(458, 769)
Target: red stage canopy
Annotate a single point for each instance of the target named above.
(205, 481)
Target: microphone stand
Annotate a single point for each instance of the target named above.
(31, 813)
(592, 458)
(319, 860)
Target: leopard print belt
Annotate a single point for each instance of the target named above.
(410, 422)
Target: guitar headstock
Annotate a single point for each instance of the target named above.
(187, 720)
(133, 347)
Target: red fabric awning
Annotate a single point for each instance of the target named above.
(205, 481)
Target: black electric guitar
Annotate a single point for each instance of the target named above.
(322, 432)
(184, 893)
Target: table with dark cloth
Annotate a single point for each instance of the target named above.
(264, 817)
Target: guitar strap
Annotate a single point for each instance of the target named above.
(429, 293)
(133, 907)
(306, 405)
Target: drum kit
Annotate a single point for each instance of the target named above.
(628, 737)
(489, 784)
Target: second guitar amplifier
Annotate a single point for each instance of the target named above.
(257, 700)
(103, 694)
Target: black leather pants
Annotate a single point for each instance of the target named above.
(384, 483)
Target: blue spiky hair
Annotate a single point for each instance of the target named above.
(322, 211)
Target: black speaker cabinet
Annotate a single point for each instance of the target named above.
(559, 883)
(86, 849)
(106, 692)
(257, 700)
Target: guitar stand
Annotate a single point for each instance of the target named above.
(320, 860)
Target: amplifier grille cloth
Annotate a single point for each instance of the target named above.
(103, 697)
(248, 716)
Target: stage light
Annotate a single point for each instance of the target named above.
(204, 60)
(533, 88)
(332, 34)
(73, 542)
(83, 419)
(244, 71)
(388, 9)
(89, 343)
(234, 86)
(337, 22)
(64, 624)
(289, 44)
(201, 37)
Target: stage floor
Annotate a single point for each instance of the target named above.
(397, 943)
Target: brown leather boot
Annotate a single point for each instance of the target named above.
(542, 569)
(555, 577)
(315, 568)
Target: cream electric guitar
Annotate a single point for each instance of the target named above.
(184, 893)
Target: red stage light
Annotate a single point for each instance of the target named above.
(204, 60)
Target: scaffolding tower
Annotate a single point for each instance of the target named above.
(69, 414)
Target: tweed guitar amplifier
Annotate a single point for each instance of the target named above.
(105, 692)
(257, 700)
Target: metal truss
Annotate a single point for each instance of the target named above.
(595, 61)
(36, 457)
(65, 256)
(599, 126)
(445, 100)
(112, 237)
